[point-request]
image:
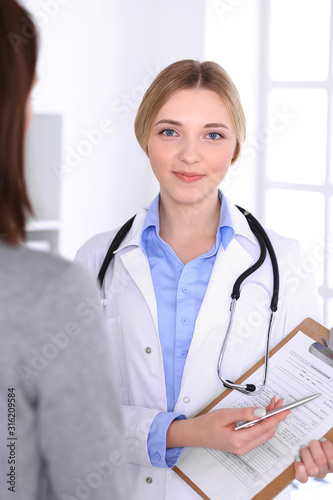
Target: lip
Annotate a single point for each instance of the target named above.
(188, 177)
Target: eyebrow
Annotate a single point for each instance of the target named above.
(171, 122)
(215, 125)
(208, 125)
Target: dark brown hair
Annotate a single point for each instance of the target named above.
(189, 74)
(18, 54)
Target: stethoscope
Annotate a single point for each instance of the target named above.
(265, 244)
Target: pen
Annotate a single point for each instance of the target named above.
(288, 406)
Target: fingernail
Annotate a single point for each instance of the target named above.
(283, 400)
(322, 440)
(298, 458)
(302, 447)
(259, 412)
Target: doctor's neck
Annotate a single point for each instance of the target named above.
(191, 226)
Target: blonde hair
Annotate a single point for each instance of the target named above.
(189, 74)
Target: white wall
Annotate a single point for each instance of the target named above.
(96, 60)
(232, 40)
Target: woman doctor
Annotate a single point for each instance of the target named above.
(168, 288)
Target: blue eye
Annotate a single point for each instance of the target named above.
(214, 135)
(168, 131)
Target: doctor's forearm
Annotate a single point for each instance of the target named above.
(206, 431)
(182, 433)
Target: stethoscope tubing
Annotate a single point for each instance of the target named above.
(275, 267)
(264, 243)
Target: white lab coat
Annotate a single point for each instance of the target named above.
(131, 316)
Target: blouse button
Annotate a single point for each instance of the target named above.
(184, 321)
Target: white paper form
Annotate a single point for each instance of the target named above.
(294, 373)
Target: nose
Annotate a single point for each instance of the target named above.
(189, 151)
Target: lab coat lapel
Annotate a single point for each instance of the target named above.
(229, 264)
(138, 267)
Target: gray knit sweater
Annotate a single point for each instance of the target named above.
(59, 421)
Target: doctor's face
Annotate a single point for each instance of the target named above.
(191, 145)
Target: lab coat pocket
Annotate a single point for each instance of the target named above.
(118, 368)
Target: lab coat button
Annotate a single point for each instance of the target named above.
(186, 399)
(149, 480)
(148, 350)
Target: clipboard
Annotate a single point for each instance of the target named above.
(316, 332)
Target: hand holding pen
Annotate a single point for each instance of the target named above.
(216, 429)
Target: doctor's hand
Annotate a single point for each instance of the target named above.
(315, 460)
(216, 429)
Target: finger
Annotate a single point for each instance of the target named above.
(311, 467)
(269, 425)
(233, 415)
(270, 422)
(320, 457)
(280, 402)
(327, 446)
(262, 432)
(276, 402)
(264, 425)
(300, 471)
(272, 403)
